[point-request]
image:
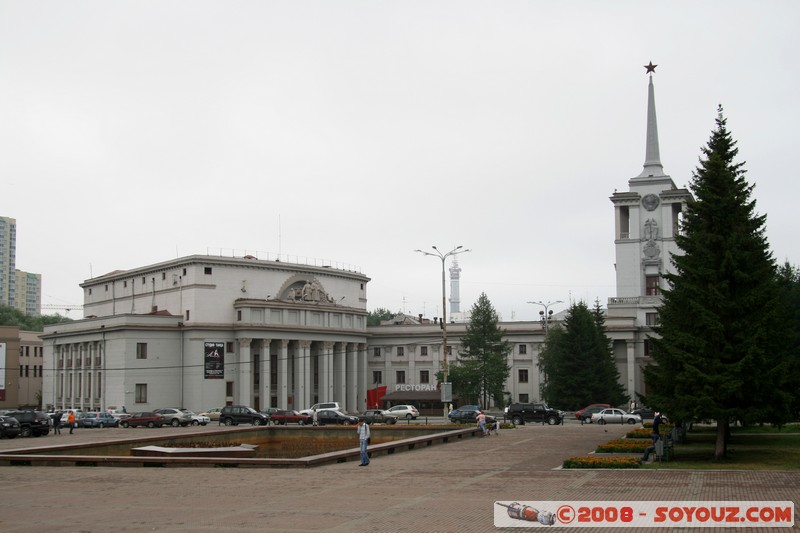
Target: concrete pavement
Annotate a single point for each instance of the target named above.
(450, 487)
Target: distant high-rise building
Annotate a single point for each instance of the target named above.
(8, 260)
(18, 289)
(455, 298)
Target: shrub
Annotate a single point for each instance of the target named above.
(601, 462)
(624, 446)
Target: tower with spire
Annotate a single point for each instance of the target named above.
(455, 298)
(646, 218)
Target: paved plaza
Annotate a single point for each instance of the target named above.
(448, 487)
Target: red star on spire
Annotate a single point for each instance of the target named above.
(651, 68)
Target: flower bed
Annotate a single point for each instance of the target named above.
(601, 462)
(624, 446)
(644, 433)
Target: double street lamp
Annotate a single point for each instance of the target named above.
(545, 316)
(443, 256)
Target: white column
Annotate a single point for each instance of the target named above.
(245, 374)
(266, 375)
(339, 394)
(304, 360)
(350, 376)
(325, 372)
(361, 379)
(283, 374)
(631, 368)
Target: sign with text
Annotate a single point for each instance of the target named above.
(214, 360)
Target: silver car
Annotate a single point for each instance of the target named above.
(175, 417)
(615, 416)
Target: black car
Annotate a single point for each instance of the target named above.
(233, 415)
(329, 416)
(31, 423)
(520, 413)
(9, 427)
(460, 416)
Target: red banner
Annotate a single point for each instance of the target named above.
(374, 397)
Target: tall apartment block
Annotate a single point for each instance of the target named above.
(18, 289)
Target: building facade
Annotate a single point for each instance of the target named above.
(21, 368)
(18, 289)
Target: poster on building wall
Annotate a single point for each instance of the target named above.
(215, 360)
(2, 371)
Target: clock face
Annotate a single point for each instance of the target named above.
(650, 202)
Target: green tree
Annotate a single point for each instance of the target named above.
(482, 368)
(578, 363)
(11, 316)
(720, 349)
(789, 290)
(375, 317)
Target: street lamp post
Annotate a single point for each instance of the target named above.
(545, 316)
(455, 251)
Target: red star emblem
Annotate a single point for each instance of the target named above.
(651, 68)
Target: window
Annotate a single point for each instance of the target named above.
(523, 398)
(106, 287)
(424, 376)
(423, 351)
(144, 280)
(99, 381)
(229, 347)
(376, 352)
(624, 222)
(523, 375)
(207, 271)
(141, 393)
(401, 376)
(229, 388)
(187, 315)
(163, 276)
(239, 315)
(184, 271)
(651, 285)
(401, 351)
(124, 283)
(651, 319)
(141, 350)
(523, 349)
(647, 347)
(377, 376)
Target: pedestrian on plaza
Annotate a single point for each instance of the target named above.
(482, 421)
(57, 423)
(363, 440)
(314, 417)
(71, 421)
(496, 427)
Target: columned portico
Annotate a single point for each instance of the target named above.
(245, 373)
(303, 375)
(325, 391)
(349, 378)
(283, 374)
(265, 378)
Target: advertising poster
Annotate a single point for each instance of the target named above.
(2, 371)
(215, 360)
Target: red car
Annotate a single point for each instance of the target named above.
(149, 419)
(283, 417)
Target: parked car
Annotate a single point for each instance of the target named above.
(270, 410)
(616, 416)
(9, 427)
(98, 420)
(281, 417)
(198, 420)
(379, 416)
(585, 414)
(213, 414)
(175, 417)
(329, 416)
(233, 415)
(647, 414)
(404, 411)
(146, 418)
(520, 413)
(319, 406)
(65, 416)
(119, 413)
(31, 423)
(459, 416)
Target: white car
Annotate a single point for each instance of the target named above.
(404, 411)
(320, 406)
(199, 420)
(615, 416)
(213, 414)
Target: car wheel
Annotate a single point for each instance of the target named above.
(151, 424)
(124, 424)
(302, 422)
(517, 420)
(409, 416)
(196, 423)
(631, 421)
(101, 425)
(228, 422)
(602, 421)
(175, 422)
(25, 432)
(256, 422)
(552, 420)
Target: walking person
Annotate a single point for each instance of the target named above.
(71, 421)
(482, 421)
(57, 423)
(363, 440)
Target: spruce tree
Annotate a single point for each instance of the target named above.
(718, 350)
(482, 369)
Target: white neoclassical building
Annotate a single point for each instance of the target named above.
(205, 331)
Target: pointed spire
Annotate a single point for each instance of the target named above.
(652, 159)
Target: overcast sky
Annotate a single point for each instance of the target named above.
(358, 131)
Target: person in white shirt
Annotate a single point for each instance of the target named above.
(363, 440)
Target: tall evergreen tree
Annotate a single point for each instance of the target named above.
(718, 352)
(482, 369)
(578, 363)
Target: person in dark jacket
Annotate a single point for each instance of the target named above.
(57, 423)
